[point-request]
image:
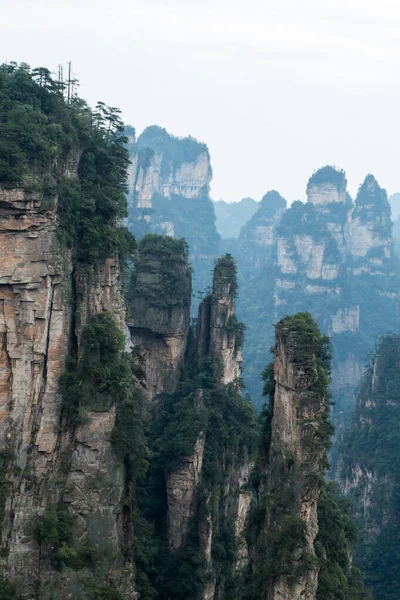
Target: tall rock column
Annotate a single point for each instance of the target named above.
(219, 333)
(295, 457)
(258, 236)
(48, 464)
(35, 319)
(159, 310)
(203, 437)
(170, 195)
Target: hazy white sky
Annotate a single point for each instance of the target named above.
(276, 88)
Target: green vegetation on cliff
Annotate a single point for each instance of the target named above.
(176, 150)
(69, 156)
(190, 218)
(337, 577)
(161, 269)
(225, 274)
(102, 375)
(228, 424)
(276, 534)
(371, 457)
(201, 411)
(328, 174)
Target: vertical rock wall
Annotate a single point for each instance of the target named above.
(45, 302)
(295, 449)
(159, 312)
(332, 257)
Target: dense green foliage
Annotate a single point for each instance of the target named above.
(270, 204)
(372, 203)
(7, 590)
(176, 150)
(192, 219)
(372, 444)
(161, 276)
(276, 535)
(54, 531)
(225, 274)
(102, 376)
(44, 138)
(228, 423)
(331, 175)
(338, 579)
(104, 593)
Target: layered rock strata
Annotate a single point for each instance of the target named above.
(369, 471)
(169, 195)
(296, 447)
(258, 236)
(45, 303)
(332, 257)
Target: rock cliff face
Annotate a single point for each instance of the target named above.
(167, 166)
(296, 447)
(369, 471)
(159, 322)
(333, 258)
(258, 236)
(298, 539)
(332, 255)
(218, 332)
(169, 195)
(189, 179)
(45, 303)
(209, 456)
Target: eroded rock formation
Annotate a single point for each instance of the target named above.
(369, 468)
(159, 314)
(169, 195)
(46, 300)
(205, 479)
(333, 258)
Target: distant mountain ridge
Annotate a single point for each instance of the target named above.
(232, 216)
(329, 255)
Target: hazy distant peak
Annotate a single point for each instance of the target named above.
(176, 149)
(370, 193)
(272, 201)
(328, 175)
(394, 200)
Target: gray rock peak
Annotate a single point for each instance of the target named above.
(327, 185)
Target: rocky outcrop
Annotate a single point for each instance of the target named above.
(182, 487)
(205, 479)
(45, 302)
(218, 331)
(369, 468)
(170, 196)
(296, 443)
(167, 166)
(282, 530)
(258, 236)
(332, 257)
(189, 179)
(159, 312)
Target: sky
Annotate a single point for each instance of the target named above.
(276, 88)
